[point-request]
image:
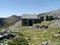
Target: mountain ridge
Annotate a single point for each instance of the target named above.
(9, 20)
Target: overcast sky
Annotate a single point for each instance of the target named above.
(19, 7)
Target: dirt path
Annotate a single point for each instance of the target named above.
(12, 28)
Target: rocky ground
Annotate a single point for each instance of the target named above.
(48, 36)
(8, 32)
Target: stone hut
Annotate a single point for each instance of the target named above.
(46, 16)
(29, 19)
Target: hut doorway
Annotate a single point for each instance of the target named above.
(47, 18)
(30, 23)
(51, 18)
(42, 18)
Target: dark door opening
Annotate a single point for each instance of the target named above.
(24, 22)
(30, 23)
(51, 18)
(47, 18)
(42, 18)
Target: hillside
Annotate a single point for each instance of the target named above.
(55, 13)
(37, 34)
(13, 18)
(6, 22)
(2, 21)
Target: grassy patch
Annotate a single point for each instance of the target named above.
(38, 36)
(45, 23)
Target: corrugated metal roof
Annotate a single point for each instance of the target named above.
(29, 16)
